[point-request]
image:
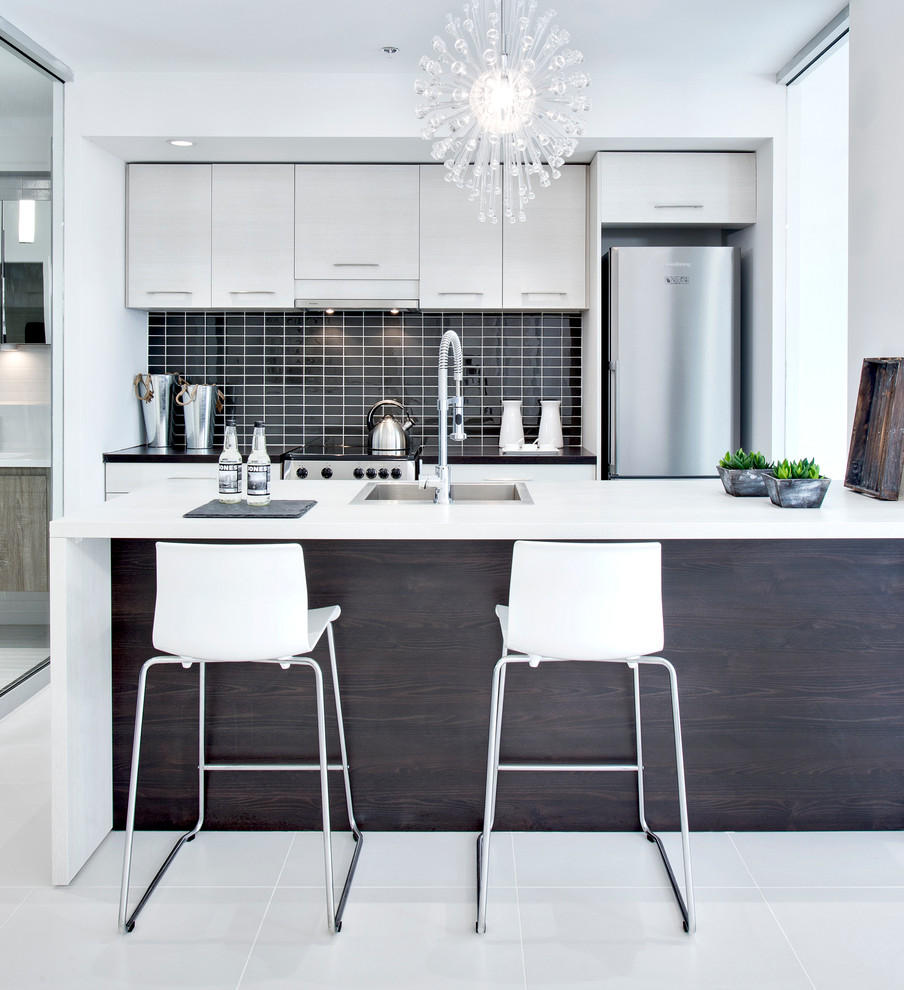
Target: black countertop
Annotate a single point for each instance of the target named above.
(180, 455)
(477, 452)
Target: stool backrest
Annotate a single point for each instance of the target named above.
(585, 601)
(231, 601)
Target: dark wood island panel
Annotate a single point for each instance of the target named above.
(790, 659)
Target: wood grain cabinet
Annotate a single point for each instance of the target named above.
(252, 237)
(23, 529)
(168, 236)
(687, 188)
(534, 265)
(356, 231)
(210, 236)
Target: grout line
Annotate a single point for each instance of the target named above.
(769, 907)
(266, 911)
(518, 910)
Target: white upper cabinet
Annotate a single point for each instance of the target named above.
(210, 236)
(534, 265)
(688, 188)
(253, 234)
(356, 222)
(544, 259)
(461, 258)
(168, 237)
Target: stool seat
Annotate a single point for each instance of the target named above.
(588, 603)
(240, 603)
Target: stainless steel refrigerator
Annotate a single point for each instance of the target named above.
(674, 407)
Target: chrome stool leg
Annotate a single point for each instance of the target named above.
(489, 811)
(688, 913)
(334, 914)
(356, 833)
(126, 921)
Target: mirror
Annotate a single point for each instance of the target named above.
(25, 262)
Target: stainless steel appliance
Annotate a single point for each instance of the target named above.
(389, 436)
(673, 359)
(348, 459)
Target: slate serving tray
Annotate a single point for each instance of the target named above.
(287, 508)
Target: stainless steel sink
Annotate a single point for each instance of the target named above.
(467, 493)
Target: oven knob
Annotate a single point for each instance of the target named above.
(396, 472)
(327, 472)
(358, 472)
(371, 473)
(383, 473)
(301, 473)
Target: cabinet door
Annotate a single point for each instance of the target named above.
(544, 259)
(356, 222)
(23, 530)
(688, 188)
(253, 237)
(461, 258)
(168, 238)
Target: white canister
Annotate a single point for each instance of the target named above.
(512, 431)
(550, 424)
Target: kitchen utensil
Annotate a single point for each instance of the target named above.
(512, 430)
(156, 395)
(550, 424)
(199, 404)
(389, 436)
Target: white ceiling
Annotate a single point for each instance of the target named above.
(622, 36)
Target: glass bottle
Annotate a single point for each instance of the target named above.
(230, 467)
(258, 468)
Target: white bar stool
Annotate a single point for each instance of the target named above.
(596, 602)
(239, 604)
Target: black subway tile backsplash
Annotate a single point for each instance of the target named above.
(306, 374)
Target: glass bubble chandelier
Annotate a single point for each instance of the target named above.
(502, 103)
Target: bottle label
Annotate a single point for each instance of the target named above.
(230, 475)
(258, 479)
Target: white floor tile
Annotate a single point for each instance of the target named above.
(409, 859)
(823, 859)
(25, 845)
(66, 938)
(845, 938)
(623, 859)
(400, 938)
(10, 899)
(587, 939)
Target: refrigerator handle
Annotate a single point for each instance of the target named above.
(613, 384)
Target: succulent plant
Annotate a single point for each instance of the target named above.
(739, 461)
(797, 469)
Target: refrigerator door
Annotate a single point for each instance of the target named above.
(673, 318)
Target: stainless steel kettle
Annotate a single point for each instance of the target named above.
(389, 436)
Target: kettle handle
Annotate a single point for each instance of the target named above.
(376, 405)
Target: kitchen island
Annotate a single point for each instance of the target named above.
(786, 628)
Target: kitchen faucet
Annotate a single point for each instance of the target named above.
(441, 480)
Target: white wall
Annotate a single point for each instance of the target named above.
(113, 116)
(817, 292)
(876, 218)
(104, 344)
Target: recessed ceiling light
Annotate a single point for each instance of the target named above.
(389, 50)
(181, 144)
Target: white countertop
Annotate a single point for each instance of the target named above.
(617, 510)
(15, 460)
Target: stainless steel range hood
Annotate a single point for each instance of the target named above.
(353, 293)
(357, 303)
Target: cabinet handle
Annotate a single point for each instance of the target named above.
(252, 292)
(540, 292)
(460, 292)
(169, 292)
(356, 264)
(677, 206)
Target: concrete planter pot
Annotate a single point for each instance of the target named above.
(797, 493)
(744, 483)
